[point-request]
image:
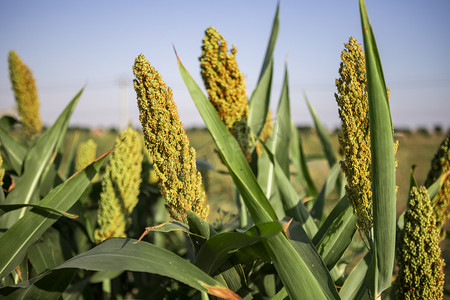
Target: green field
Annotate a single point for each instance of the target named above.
(414, 148)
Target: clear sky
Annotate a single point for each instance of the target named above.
(71, 44)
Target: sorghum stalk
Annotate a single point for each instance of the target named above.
(226, 86)
(86, 153)
(174, 160)
(440, 165)
(421, 274)
(120, 186)
(353, 102)
(26, 95)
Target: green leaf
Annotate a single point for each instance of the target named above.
(99, 277)
(28, 229)
(198, 226)
(6, 122)
(260, 99)
(35, 163)
(336, 233)
(433, 190)
(308, 252)
(272, 42)
(287, 261)
(383, 162)
(323, 135)
(127, 254)
(293, 205)
(216, 250)
(48, 286)
(10, 207)
(281, 295)
(280, 141)
(267, 181)
(231, 154)
(329, 185)
(13, 152)
(48, 252)
(259, 102)
(299, 161)
(354, 287)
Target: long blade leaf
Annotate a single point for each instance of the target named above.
(35, 162)
(383, 161)
(127, 254)
(288, 263)
(15, 242)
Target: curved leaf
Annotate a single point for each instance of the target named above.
(58, 212)
(127, 254)
(216, 250)
(35, 162)
(336, 233)
(15, 242)
(260, 99)
(13, 152)
(288, 263)
(383, 162)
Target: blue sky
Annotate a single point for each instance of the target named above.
(71, 44)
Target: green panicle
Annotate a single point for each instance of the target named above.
(120, 186)
(86, 153)
(352, 99)
(25, 92)
(421, 274)
(174, 160)
(439, 166)
(226, 86)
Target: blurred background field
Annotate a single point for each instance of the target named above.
(416, 147)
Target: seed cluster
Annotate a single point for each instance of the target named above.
(421, 274)
(86, 153)
(440, 165)
(226, 86)
(25, 92)
(173, 159)
(352, 99)
(120, 186)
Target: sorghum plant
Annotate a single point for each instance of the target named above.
(120, 186)
(440, 165)
(354, 138)
(225, 85)
(25, 92)
(421, 274)
(165, 138)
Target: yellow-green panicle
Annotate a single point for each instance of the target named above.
(354, 138)
(86, 153)
(120, 186)
(26, 95)
(226, 86)
(173, 159)
(421, 274)
(440, 165)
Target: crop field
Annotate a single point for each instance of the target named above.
(249, 207)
